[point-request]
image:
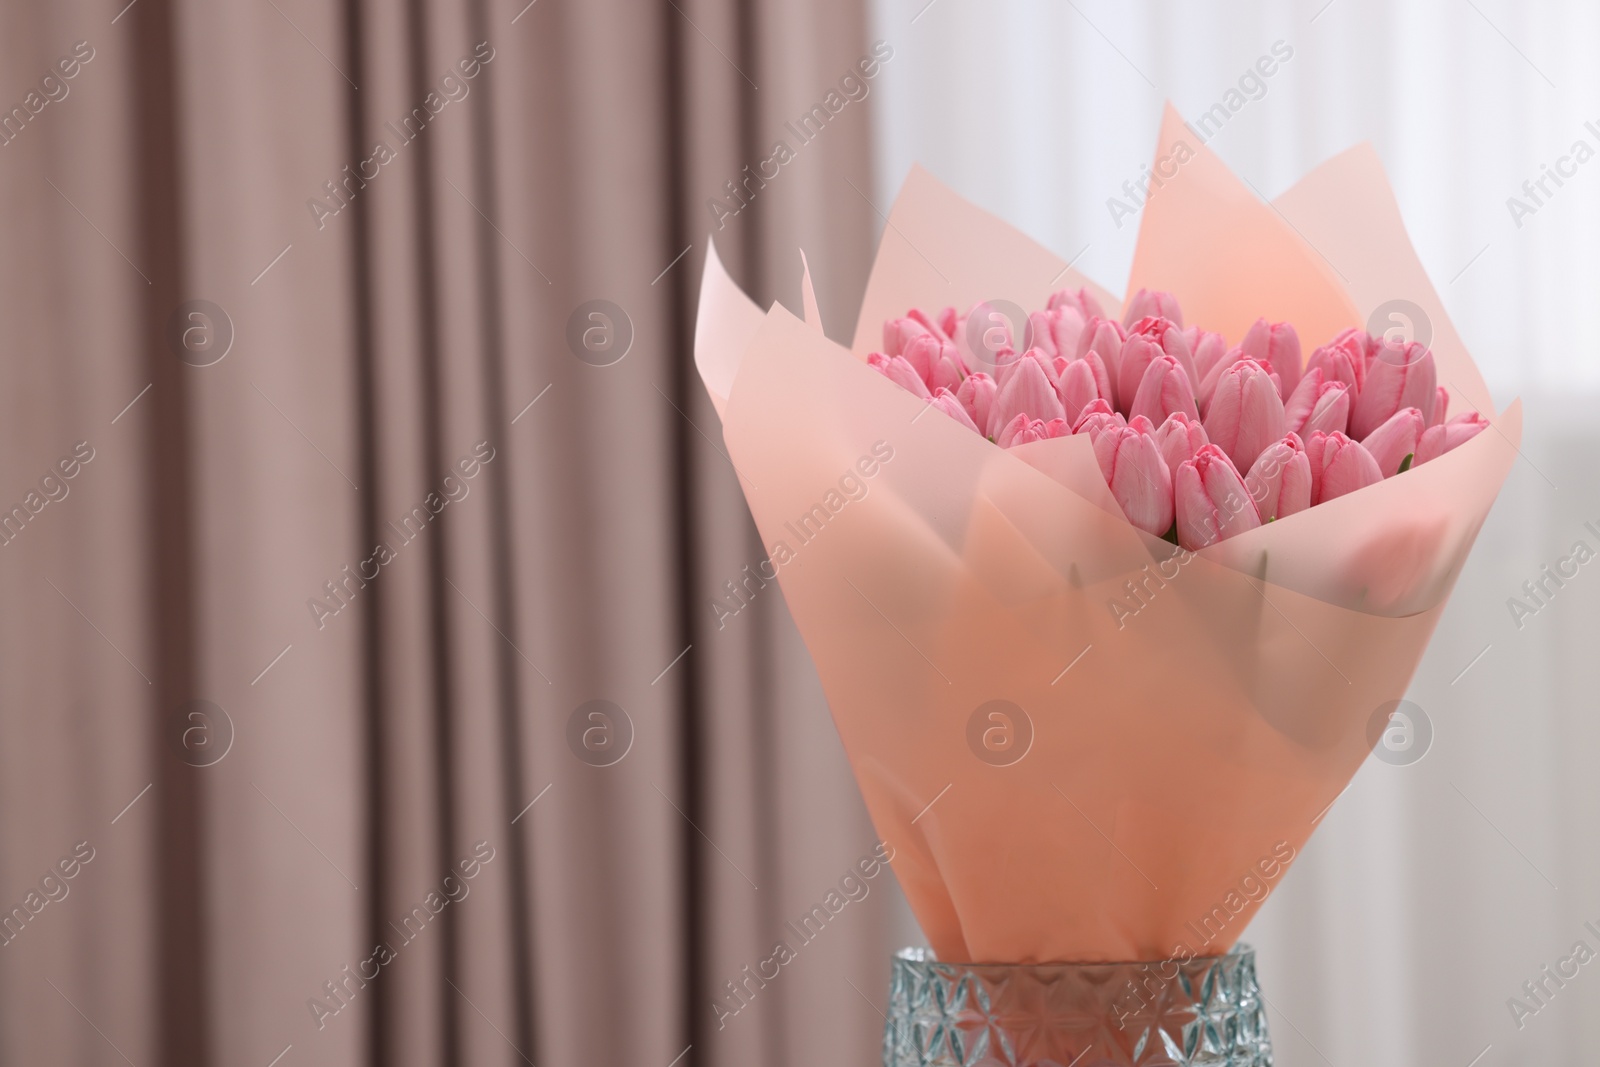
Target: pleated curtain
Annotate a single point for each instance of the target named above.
(371, 652)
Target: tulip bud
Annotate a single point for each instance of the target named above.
(1339, 466)
(1096, 418)
(946, 401)
(1344, 359)
(1023, 430)
(1025, 390)
(1330, 413)
(1082, 301)
(1005, 369)
(1297, 406)
(1046, 364)
(1179, 438)
(1246, 413)
(1208, 384)
(1280, 479)
(1104, 338)
(1149, 339)
(1399, 376)
(921, 351)
(1208, 349)
(1163, 390)
(1210, 500)
(1057, 330)
(898, 333)
(1393, 441)
(1148, 302)
(897, 370)
(1138, 477)
(976, 393)
(948, 370)
(1437, 440)
(1440, 406)
(1078, 386)
(1276, 346)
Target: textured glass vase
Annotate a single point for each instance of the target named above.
(1161, 1014)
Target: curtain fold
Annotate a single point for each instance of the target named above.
(379, 650)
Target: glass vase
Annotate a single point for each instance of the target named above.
(1166, 1013)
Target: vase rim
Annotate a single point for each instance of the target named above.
(916, 954)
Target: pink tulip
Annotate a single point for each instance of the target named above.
(1208, 349)
(1437, 440)
(1276, 346)
(1163, 390)
(898, 333)
(1137, 353)
(1057, 330)
(937, 361)
(1298, 404)
(1208, 384)
(1246, 413)
(920, 351)
(944, 365)
(1280, 479)
(1103, 379)
(1096, 378)
(897, 370)
(1138, 477)
(1344, 359)
(1179, 438)
(1440, 406)
(976, 393)
(1012, 362)
(1082, 301)
(1396, 439)
(1022, 430)
(1078, 385)
(1149, 339)
(1148, 302)
(946, 401)
(1399, 376)
(1330, 412)
(949, 370)
(1096, 418)
(1026, 390)
(1045, 363)
(1210, 500)
(1339, 466)
(1104, 338)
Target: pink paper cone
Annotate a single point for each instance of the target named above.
(1081, 742)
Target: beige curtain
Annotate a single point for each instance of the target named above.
(320, 539)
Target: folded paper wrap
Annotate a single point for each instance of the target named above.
(1082, 743)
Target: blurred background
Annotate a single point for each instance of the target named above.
(286, 281)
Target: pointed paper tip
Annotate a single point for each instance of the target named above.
(724, 324)
(808, 295)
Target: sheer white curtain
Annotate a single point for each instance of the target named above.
(1433, 891)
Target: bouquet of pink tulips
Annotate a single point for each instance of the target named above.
(1176, 415)
(1105, 634)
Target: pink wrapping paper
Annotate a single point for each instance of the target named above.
(1168, 759)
